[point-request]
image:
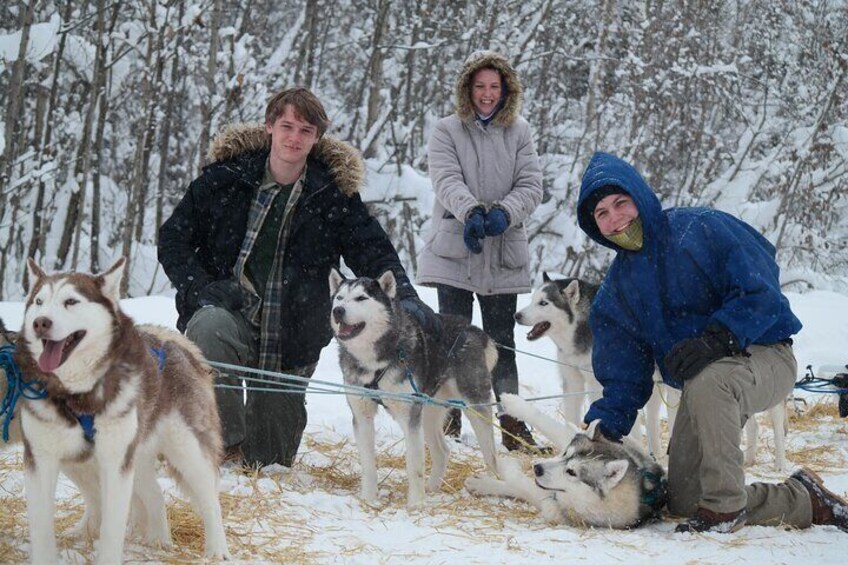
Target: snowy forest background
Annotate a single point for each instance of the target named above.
(107, 110)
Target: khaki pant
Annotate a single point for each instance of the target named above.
(270, 425)
(705, 465)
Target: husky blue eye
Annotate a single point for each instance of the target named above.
(71, 301)
(543, 303)
(38, 302)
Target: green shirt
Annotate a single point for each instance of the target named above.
(258, 267)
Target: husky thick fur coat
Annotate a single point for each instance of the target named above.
(118, 396)
(382, 348)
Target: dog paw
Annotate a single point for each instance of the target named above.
(218, 554)
(516, 406)
(482, 485)
(433, 486)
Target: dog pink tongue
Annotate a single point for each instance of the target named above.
(51, 357)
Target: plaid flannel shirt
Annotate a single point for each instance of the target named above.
(264, 313)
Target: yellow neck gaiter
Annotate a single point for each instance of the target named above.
(631, 238)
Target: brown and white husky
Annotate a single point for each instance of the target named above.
(118, 396)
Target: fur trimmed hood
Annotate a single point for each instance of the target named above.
(341, 159)
(514, 91)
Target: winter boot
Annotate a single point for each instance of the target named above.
(829, 509)
(453, 423)
(516, 436)
(708, 521)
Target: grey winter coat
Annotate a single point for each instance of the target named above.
(472, 164)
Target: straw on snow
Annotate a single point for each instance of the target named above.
(265, 523)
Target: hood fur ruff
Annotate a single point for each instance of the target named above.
(343, 161)
(515, 92)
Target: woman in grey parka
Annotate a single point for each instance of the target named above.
(486, 175)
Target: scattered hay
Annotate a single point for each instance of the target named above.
(13, 530)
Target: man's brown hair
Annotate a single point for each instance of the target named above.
(305, 105)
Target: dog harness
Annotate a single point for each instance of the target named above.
(86, 421)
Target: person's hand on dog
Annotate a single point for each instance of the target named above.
(496, 221)
(424, 315)
(225, 294)
(475, 230)
(691, 356)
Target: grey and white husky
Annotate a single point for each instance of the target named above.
(382, 348)
(595, 482)
(118, 396)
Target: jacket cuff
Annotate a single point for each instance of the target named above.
(504, 209)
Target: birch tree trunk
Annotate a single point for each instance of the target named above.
(206, 104)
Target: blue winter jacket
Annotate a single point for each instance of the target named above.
(697, 266)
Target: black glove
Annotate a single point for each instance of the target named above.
(474, 230)
(496, 221)
(225, 294)
(423, 314)
(690, 356)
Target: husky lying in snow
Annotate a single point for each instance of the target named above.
(596, 482)
(559, 309)
(117, 397)
(382, 348)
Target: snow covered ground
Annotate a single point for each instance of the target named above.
(311, 513)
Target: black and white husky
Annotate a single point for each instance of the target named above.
(595, 482)
(382, 348)
(118, 396)
(559, 309)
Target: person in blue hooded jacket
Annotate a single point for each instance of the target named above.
(696, 292)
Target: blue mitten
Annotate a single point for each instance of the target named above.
(496, 221)
(474, 230)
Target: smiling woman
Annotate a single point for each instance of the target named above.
(487, 180)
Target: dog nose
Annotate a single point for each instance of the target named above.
(42, 325)
(338, 314)
(538, 470)
(518, 316)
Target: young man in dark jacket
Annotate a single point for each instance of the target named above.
(249, 249)
(696, 292)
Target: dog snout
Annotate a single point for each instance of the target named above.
(41, 326)
(538, 470)
(339, 314)
(518, 316)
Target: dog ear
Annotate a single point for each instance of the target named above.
(112, 280)
(388, 284)
(545, 277)
(35, 272)
(614, 471)
(336, 280)
(572, 292)
(592, 431)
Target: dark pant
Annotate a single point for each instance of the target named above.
(705, 461)
(270, 425)
(498, 322)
